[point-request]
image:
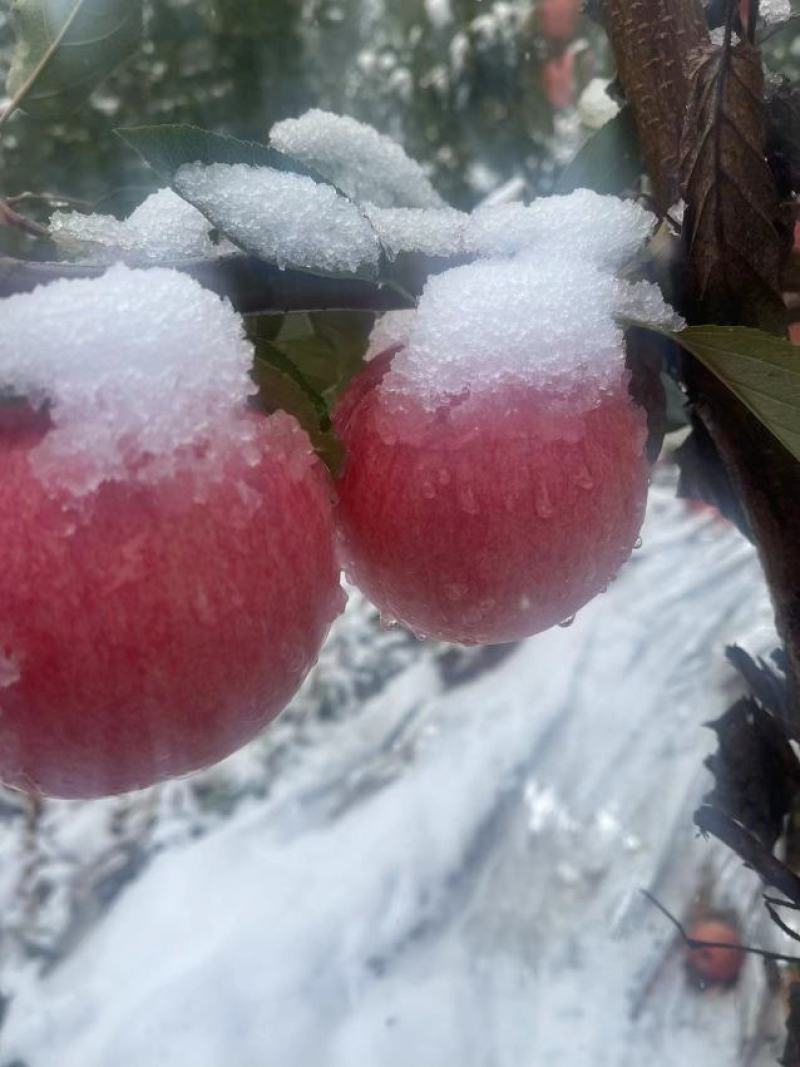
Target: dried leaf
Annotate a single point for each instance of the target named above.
(736, 239)
(756, 774)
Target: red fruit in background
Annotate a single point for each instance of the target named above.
(713, 965)
(558, 80)
(493, 516)
(558, 19)
(149, 629)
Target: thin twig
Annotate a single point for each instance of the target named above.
(694, 942)
(9, 217)
(21, 93)
(51, 200)
(773, 914)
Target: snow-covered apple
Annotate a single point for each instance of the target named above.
(167, 577)
(496, 474)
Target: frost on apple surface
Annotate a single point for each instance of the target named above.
(136, 362)
(163, 227)
(429, 231)
(287, 218)
(364, 164)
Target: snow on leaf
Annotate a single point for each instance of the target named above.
(365, 164)
(68, 47)
(284, 218)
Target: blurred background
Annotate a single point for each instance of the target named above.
(434, 856)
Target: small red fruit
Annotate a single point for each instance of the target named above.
(714, 965)
(491, 516)
(558, 81)
(558, 19)
(150, 628)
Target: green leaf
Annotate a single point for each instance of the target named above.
(609, 162)
(167, 148)
(761, 369)
(331, 350)
(284, 386)
(67, 47)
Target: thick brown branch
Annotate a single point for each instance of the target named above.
(652, 40)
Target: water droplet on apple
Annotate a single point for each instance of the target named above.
(544, 505)
(565, 625)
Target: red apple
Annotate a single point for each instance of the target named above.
(714, 965)
(558, 19)
(493, 516)
(151, 628)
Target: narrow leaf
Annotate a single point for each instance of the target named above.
(761, 369)
(65, 48)
(610, 161)
(167, 148)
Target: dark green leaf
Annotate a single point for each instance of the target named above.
(283, 386)
(69, 47)
(609, 162)
(327, 346)
(761, 369)
(167, 148)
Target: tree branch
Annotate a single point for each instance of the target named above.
(252, 286)
(651, 41)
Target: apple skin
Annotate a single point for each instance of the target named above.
(149, 630)
(492, 517)
(558, 19)
(711, 965)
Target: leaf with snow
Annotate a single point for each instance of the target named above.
(65, 48)
(283, 218)
(265, 203)
(762, 370)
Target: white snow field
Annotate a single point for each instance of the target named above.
(442, 870)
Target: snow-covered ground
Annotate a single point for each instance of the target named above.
(433, 859)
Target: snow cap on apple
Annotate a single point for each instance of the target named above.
(167, 568)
